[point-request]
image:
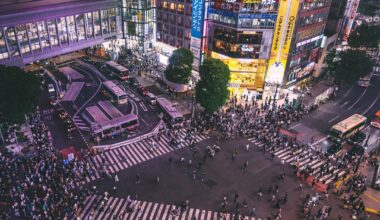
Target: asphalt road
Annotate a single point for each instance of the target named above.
(350, 100)
(222, 177)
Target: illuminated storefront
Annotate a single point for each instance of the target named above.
(240, 33)
(246, 74)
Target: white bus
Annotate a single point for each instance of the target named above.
(171, 114)
(120, 71)
(347, 128)
(116, 93)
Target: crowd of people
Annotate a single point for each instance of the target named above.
(40, 185)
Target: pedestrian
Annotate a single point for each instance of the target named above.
(137, 179)
(247, 147)
(253, 212)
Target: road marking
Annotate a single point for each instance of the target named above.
(333, 118)
(295, 125)
(377, 74)
(319, 141)
(349, 108)
(143, 107)
(372, 104)
(143, 121)
(345, 95)
(345, 103)
(377, 200)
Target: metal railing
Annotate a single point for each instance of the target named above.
(151, 134)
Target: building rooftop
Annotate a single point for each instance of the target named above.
(110, 109)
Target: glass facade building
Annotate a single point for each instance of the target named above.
(50, 31)
(139, 24)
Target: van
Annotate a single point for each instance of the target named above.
(152, 98)
(51, 89)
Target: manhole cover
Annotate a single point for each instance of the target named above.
(210, 183)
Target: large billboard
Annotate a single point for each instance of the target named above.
(282, 38)
(197, 16)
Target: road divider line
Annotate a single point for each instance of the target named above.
(345, 103)
(319, 141)
(345, 95)
(333, 118)
(372, 104)
(296, 125)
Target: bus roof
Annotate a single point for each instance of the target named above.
(169, 108)
(349, 123)
(115, 89)
(117, 66)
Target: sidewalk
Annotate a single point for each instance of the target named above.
(371, 197)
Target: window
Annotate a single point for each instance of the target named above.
(88, 20)
(180, 21)
(80, 26)
(53, 32)
(33, 35)
(179, 33)
(71, 28)
(105, 22)
(23, 39)
(165, 4)
(180, 8)
(172, 6)
(98, 32)
(12, 43)
(43, 34)
(61, 23)
(3, 46)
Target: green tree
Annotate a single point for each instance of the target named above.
(211, 91)
(18, 93)
(180, 66)
(369, 7)
(349, 65)
(365, 36)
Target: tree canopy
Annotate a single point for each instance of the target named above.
(180, 66)
(369, 7)
(365, 36)
(211, 91)
(349, 65)
(18, 93)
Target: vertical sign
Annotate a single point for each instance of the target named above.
(282, 39)
(350, 16)
(196, 30)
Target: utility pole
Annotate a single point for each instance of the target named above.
(274, 98)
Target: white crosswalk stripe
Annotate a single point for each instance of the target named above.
(120, 208)
(132, 154)
(305, 158)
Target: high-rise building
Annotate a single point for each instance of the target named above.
(139, 24)
(36, 30)
(173, 26)
(240, 34)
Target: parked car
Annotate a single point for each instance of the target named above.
(133, 82)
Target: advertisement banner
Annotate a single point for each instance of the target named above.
(282, 38)
(197, 18)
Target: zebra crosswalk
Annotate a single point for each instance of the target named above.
(306, 159)
(135, 153)
(96, 207)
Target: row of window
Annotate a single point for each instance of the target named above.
(28, 37)
(243, 22)
(315, 4)
(173, 41)
(313, 18)
(172, 30)
(180, 8)
(310, 32)
(174, 19)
